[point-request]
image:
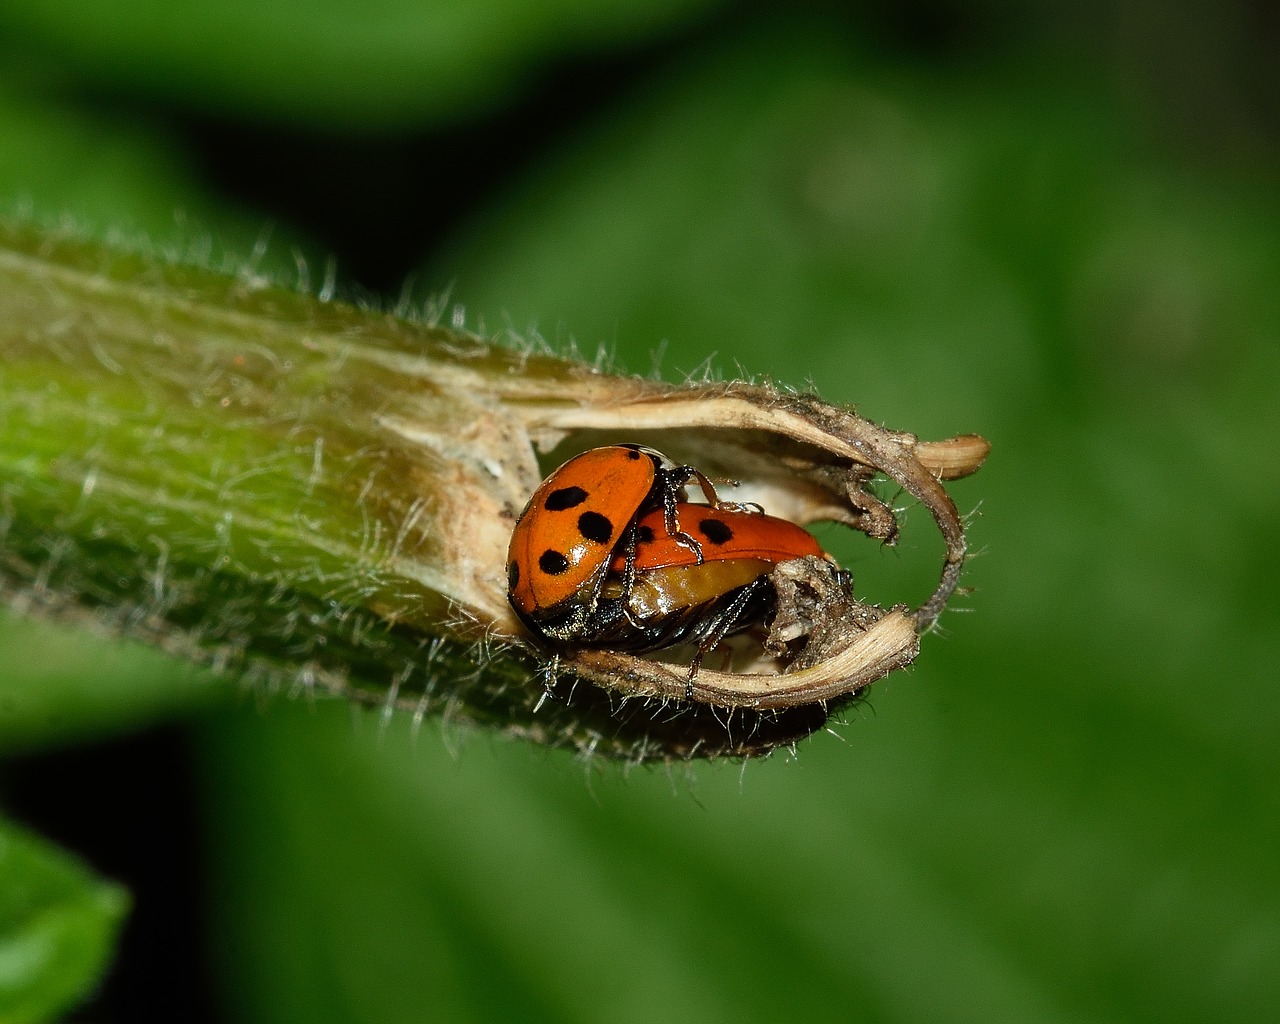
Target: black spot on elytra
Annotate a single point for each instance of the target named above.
(634, 453)
(565, 497)
(552, 562)
(596, 527)
(715, 530)
(513, 575)
(644, 534)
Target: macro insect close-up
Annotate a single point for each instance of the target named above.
(610, 552)
(653, 510)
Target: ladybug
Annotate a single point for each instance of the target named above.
(610, 553)
(677, 598)
(724, 533)
(581, 517)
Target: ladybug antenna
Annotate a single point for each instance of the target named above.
(708, 488)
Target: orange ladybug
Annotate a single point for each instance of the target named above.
(609, 553)
(577, 520)
(723, 533)
(677, 598)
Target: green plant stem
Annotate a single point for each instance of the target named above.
(317, 497)
(204, 462)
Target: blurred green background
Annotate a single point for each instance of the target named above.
(1054, 224)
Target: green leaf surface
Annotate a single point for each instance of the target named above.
(58, 924)
(324, 61)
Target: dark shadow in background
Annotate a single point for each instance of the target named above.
(130, 807)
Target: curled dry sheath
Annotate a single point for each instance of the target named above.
(315, 495)
(798, 457)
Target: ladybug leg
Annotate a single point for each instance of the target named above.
(550, 673)
(693, 672)
(629, 577)
(722, 624)
(629, 568)
(709, 492)
(676, 480)
(684, 540)
(708, 488)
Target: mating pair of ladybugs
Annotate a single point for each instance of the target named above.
(610, 553)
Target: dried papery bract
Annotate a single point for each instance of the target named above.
(807, 461)
(319, 497)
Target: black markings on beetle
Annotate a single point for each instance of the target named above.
(565, 497)
(552, 562)
(596, 527)
(513, 575)
(644, 534)
(715, 530)
(633, 454)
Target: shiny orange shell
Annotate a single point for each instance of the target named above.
(722, 534)
(563, 542)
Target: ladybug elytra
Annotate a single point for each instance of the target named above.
(722, 533)
(609, 553)
(580, 515)
(677, 598)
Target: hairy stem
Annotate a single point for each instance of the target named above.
(316, 496)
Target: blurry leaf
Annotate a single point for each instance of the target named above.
(59, 684)
(511, 885)
(787, 208)
(1086, 758)
(789, 205)
(57, 928)
(327, 61)
(119, 179)
(990, 254)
